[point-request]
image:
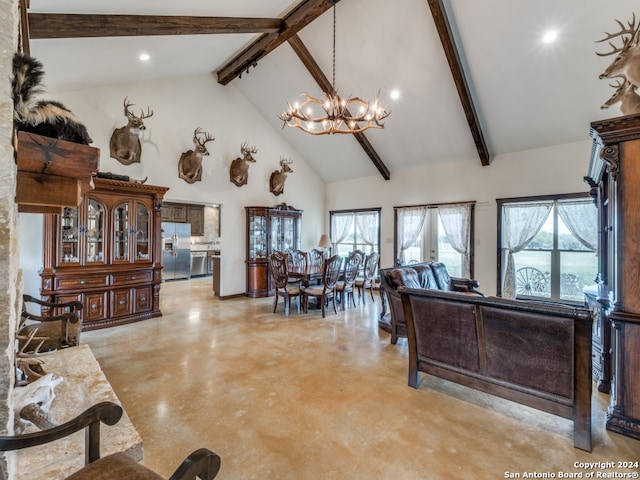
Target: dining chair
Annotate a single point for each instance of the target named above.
(327, 290)
(298, 260)
(366, 281)
(316, 257)
(280, 275)
(345, 287)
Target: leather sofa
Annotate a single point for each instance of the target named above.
(534, 353)
(428, 275)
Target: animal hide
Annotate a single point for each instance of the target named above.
(43, 117)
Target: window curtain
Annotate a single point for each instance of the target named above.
(340, 226)
(581, 218)
(520, 224)
(367, 225)
(456, 221)
(410, 222)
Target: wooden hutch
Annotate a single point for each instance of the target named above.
(614, 177)
(106, 253)
(269, 229)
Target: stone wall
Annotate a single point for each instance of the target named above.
(9, 265)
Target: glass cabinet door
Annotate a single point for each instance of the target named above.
(121, 232)
(257, 236)
(283, 234)
(142, 232)
(69, 236)
(95, 232)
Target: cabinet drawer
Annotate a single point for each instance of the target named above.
(68, 283)
(143, 299)
(132, 277)
(121, 302)
(94, 307)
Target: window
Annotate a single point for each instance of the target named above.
(548, 247)
(355, 230)
(440, 233)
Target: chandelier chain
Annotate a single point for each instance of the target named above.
(334, 48)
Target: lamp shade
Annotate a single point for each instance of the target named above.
(324, 241)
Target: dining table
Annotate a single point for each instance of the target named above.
(307, 274)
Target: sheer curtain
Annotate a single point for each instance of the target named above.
(520, 223)
(581, 218)
(410, 221)
(367, 224)
(340, 226)
(456, 221)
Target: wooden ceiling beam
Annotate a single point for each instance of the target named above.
(326, 86)
(301, 16)
(455, 65)
(66, 25)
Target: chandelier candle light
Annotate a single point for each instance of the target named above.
(332, 115)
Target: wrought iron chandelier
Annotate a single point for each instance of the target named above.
(333, 114)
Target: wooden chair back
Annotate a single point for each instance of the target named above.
(278, 267)
(315, 257)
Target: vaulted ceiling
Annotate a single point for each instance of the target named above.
(474, 77)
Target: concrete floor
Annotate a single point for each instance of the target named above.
(311, 398)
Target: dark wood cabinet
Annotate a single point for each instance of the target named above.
(195, 216)
(614, 177)
(269, 229)
(107, 253)
(185, 213)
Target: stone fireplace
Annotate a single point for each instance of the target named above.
(10, 284)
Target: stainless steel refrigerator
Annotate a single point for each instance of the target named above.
(176, 250)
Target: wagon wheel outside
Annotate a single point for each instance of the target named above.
(530, 281)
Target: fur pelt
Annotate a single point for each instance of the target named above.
(44, 117)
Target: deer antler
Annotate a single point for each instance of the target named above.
(632, 31)
(244, 148)
(199, 131)
(127, 104)
(285, 161)
(146, 115)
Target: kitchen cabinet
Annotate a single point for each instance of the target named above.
(269, 229)
(106, 253)
(185, 213)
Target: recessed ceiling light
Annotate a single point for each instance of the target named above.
(144, 57)
(549, 37)
(395, 94)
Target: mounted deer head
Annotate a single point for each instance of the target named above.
(239, 171)
(627, 62)
(626, 95)
(190, 163)
(125, 141)
(278, 177)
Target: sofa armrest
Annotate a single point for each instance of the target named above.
(466, 285)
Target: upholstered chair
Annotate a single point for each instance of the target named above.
(202, 463)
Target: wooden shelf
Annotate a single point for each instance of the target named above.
(53, 173)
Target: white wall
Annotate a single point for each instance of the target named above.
(556, 169)
(180, 105)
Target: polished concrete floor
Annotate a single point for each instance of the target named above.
(310, 398)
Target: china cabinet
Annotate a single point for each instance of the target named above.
(106, 253)
(269, 229)
(614, 177)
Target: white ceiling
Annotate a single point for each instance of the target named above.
(527, 94)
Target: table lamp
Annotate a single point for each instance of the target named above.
(324, 243)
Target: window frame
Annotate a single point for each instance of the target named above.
(500, 202)
(355, 211)
(435, 206)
